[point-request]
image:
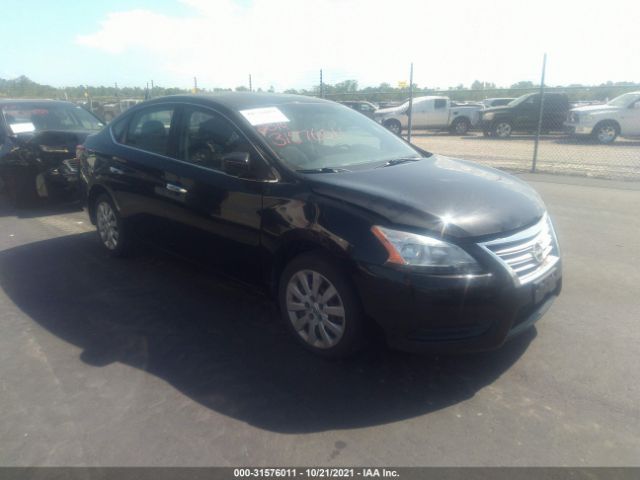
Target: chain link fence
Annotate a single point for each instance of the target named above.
(575, 130)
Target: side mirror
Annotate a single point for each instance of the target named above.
(235, 163)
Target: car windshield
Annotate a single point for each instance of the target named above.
(30, 117)
(312, 136)
(521, 99)
(624, 100)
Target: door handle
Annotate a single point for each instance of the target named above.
(116, 171)
(175, 188)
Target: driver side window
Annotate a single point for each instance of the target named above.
(207, 137)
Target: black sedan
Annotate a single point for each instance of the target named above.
(38, 140)
(346, 224)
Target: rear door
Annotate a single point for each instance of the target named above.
(440, 115)
(555, 112)
(144, 142)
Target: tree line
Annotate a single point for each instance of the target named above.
(23, 87)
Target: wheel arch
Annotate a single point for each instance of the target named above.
(298, 242)
(613, 122)
(94, 192)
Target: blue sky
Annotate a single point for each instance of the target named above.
(42, 41)
(285, 42)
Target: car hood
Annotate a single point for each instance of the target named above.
(452, 197)
(389, 111)
(500, 109)
(596, 109)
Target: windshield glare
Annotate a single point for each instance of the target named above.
(624, 100)
(318, 135)
(29, 118)
(521, 99)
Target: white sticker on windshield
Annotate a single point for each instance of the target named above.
(23, 127)
(262, 116)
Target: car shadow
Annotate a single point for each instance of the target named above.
(223, 347)
(40, 209)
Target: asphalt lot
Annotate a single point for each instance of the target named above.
(558, 154)
(151, 361)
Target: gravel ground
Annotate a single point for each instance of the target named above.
(556, 154)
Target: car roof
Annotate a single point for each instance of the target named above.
(239, 100)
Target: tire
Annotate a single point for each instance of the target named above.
(393, 126)
(328, 324)
(605, 132)
(460, 126)
(502, 129)
(113, 231)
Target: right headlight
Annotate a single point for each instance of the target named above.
(411, 249)
(488, 116)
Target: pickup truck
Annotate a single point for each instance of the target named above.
(621, 116)
(523, 114)
(431, 112)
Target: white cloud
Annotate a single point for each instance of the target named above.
(285, 42)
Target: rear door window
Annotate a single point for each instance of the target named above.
(149, 129)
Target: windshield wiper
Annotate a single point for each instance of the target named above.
(323, 170)
(397, 161)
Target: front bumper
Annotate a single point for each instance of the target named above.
(578, 129)
(437, 314)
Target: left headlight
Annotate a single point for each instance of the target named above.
(411, 249)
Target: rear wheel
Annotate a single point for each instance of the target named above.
(460, 126)
(112, 229)
(605, 132)
(320, 307)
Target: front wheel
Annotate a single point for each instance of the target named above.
(393, 126)
(320, 307)
(112, 229)
(502, 129)
(605, 132)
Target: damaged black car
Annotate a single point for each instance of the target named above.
(38, 142)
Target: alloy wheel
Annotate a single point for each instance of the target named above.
(107, 224)
(315, 309)
(606, 134)
(503, 129)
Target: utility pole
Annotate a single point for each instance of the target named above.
(321, 85)
(410, 102)
(535, 145)
(151, 95)
(250, 86)
(195, 85)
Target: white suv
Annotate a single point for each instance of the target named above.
(621, 116)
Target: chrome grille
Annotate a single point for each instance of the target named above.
(527, 254)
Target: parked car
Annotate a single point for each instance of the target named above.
(496, 102)
(344, 223)
(365, 108)
(38, 140)
(621, 116)
(523, 113)
(431, 113)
